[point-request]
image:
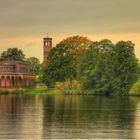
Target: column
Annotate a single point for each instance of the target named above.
(0, 81)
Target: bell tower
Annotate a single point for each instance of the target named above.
(47, 46)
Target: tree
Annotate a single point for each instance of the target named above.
(59, 65)
(64, 58)
(77, 42)
(96, 67)
(101, 67)
(77, 45)
(34, 65)
(108, 69)
(125, 66)
(13, 54)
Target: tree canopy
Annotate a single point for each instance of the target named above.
(109, 68)
(13, 54)
(101, 67)
(63, 59)
(34, 65)
(77, 42)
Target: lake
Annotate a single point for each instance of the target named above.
(65, 117)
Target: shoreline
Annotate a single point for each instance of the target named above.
(52, 91)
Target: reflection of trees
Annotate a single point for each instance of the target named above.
(20, 117)
(39, 117)
(137, 119)
(88, 117)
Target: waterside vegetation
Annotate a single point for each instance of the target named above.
(80, 66)
(99, 68)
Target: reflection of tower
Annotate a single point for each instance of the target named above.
(47, 47)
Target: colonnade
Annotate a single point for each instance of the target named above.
(17, 81)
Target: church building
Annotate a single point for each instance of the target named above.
(15, 74)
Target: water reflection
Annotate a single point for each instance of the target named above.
(20, 117)
(53, 117)
(88, 117)
(137, 122)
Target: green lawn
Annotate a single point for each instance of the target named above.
(134, 91)
(45, 91)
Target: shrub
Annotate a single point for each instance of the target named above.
(68, 85)
(135, 90)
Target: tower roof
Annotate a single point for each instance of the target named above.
(47, 38)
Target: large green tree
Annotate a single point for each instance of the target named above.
(60, 65)
(63, 60)
(96, 67)
(13, 54)
(125, 66)
(34, 65)
(108, 68)
(102, 67)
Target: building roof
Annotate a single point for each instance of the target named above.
(47, 38)
(16, 73)
(12, 62)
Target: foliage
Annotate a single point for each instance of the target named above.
(63, 60)
(42, 91)
(109, 68)
(68, 85)
(135, 90)
(76, 44)
(34, 65)
(101, 67)
(60, 65)
(138, 71)
(13, 54)
(96, 67)
(39, 77)
(125, 66)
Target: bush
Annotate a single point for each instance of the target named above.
(68, 85)
(135, 90)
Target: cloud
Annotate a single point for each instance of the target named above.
(25, 23)
(79, 14)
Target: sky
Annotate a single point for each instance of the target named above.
(24, 23)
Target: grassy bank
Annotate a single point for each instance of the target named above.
(44, 91)
(33, 91)
(71, 91)
(134, 91)
(48, 91)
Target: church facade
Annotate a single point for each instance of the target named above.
(15, 74)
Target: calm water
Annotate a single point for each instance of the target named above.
(77, 117)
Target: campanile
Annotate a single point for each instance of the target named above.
(47, 46)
